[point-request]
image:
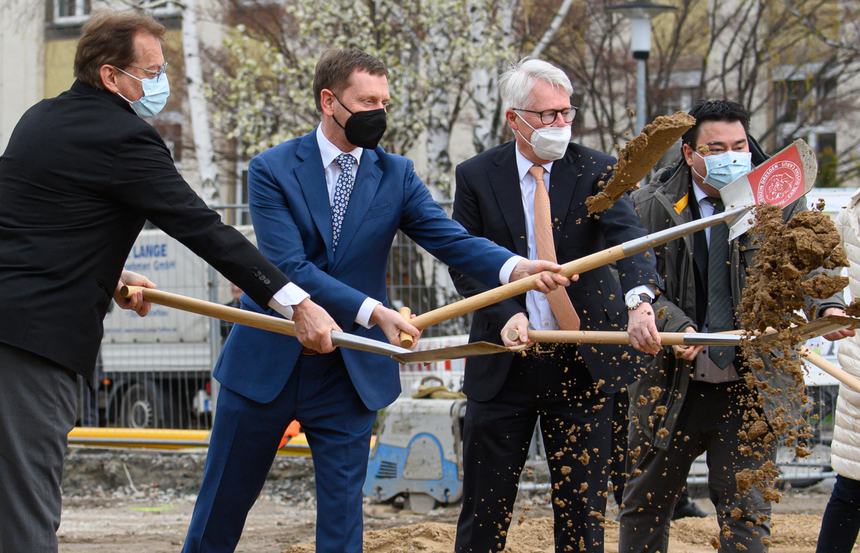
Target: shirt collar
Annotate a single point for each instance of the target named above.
(700, 194)
(329, 151)
(523, 165)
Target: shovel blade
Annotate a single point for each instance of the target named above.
(818, 327)
(780, 180)
(454, 352)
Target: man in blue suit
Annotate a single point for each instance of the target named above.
(326, 207)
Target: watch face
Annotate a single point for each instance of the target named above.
(633, 301)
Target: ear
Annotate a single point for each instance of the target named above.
(512, 119)
(688, 154)
(108, 74)
(327, 101)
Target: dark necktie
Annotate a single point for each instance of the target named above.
(720, 308)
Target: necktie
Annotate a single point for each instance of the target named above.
(720, 308)
(342, 190)
(558, 299)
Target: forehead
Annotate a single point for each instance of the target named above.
(148, 51)
(547, 96)
(721, 132)
(363, 84)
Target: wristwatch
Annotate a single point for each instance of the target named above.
(636, 300)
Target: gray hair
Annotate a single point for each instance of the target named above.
(518, 80)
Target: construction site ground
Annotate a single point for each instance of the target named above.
(135, 500)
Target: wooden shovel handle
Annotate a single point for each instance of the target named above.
(596, 337)
(405, 337)
(516, 288)
(209, 309)
(839, 374)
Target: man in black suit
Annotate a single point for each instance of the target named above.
(529, 196)
(80, 175)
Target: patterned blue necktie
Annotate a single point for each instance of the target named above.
(342, 190)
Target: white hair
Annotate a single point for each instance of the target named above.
(518, 80)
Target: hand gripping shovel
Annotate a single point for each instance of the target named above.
(283, 326)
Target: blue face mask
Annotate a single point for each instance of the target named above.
(155, 93)
(725, 168)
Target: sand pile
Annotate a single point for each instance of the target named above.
(639, 156)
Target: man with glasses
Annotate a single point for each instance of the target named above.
(80, 175)
(529, 196)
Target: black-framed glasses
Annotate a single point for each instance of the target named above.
(548, 116)
(157, 74)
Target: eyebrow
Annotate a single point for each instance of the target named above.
(724, 145)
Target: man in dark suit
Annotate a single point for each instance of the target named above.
(529, 196)
(80, 175)
(326, 207)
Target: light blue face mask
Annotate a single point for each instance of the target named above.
(725, 168)
(155, 93)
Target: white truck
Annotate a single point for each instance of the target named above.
(157, 369)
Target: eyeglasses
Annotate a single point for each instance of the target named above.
(157, 74)
(548, 117)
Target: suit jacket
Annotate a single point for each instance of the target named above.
(291, 213)
(80, 175)
(488, 203)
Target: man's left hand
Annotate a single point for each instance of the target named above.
(135, 302)
(549, 278)
(642, 329)
(839, 334)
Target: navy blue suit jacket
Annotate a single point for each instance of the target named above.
(292, 217)
(488, 203)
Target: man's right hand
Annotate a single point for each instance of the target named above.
(687, 352)
(314, 326)
(392, 323)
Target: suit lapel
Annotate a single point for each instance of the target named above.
(311, 177)
(562, 184)
(504, 179)
(366, 183)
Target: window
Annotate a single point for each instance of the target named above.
(71, 12)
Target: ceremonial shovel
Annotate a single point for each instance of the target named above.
(779, 181)
(283, 326)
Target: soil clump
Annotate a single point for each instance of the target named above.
(640, 155)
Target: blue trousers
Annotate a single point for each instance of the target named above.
(841, 522)
(245, 439)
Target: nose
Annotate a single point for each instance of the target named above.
(559, 121)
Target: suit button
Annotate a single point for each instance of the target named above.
(267, 281)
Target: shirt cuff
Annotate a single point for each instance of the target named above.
(508, 268)
(365, 311)
(286, 297)
(648, 289)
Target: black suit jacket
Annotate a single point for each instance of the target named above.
(488, 203)
(80, 175)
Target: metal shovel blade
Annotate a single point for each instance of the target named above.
(455, 352)
(780, 180)
(818, 327)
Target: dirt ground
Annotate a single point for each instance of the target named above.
(139, 501)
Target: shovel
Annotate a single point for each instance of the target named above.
(782, 179)
(731, 217)
(284, 326)
(619, 337)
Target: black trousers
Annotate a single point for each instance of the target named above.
(709, 421)
(38, 405)
(576, 425)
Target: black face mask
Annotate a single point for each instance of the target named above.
(363, 128)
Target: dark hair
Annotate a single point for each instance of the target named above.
(335, 68)
(715, 110)
(108, 38)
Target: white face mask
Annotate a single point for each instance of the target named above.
(725, 168)
(549, 143)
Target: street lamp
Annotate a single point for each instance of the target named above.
(640, 15)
